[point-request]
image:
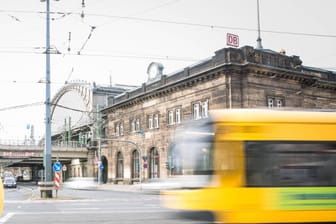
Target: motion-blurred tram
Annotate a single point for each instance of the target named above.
(256, 166)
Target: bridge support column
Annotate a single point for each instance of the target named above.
(90, 165)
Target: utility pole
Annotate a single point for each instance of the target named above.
(46, 186)
(47, 147)
(46, 191)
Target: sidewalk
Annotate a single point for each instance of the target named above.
(154, 186)
(64, 195)
(90, 184)
(119, 187)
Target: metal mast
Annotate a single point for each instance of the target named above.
(259, 46)
(47, 150)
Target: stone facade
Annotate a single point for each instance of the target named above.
(139, 123)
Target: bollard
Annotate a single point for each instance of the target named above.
(46, 189)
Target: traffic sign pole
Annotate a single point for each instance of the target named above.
(64, 169)
(57, 181)
(57, 167)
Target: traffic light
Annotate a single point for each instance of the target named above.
(167, 165)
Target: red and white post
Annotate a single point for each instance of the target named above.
(57, 181)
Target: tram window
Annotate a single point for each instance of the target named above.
(191, 152)
(272, 164)
(194, 157)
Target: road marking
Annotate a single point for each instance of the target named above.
(7, 217)
(84, 212)
(75, 209)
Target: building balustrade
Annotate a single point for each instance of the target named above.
(10, 144)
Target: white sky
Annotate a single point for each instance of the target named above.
(123, 44)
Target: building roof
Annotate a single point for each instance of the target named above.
(263, 61)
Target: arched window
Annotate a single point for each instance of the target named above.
(120, 165)
(105, 169)
(154, 168)
(135, 164)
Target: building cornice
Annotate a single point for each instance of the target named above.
(245, 60)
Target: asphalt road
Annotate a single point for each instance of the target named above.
(23, 205)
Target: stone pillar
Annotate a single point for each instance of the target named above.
(90, 164)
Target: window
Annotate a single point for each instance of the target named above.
(135, 164)
(135, 125)
(174, 116)
(204, 109)
(120, 165)
(170, 117)
(279, 102)
(178, 116)
(196, 114)
(270, 102)
(153, 121)
(150, 121)
(273, 101)
(156, 120)
(154, 163)
(191, 152)
(119, 129)
(200, 109)
(290, 164)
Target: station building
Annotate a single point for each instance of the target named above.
(139, 123)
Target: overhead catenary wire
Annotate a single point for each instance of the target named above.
(211, 26)
(72, 109)
(126, 56)
(21, 106)
(42, 103)
(99, 54)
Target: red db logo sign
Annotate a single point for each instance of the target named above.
(232, 40)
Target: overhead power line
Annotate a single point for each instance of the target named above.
(21, 106)
(211, 26)
(42, 103)
(73, 109)
(208, 25)
(135, 56)
(99, 54)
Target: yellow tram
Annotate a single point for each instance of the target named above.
(256, 166)
(2, 196)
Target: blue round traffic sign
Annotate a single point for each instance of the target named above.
(101, 166)
(57, 167)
